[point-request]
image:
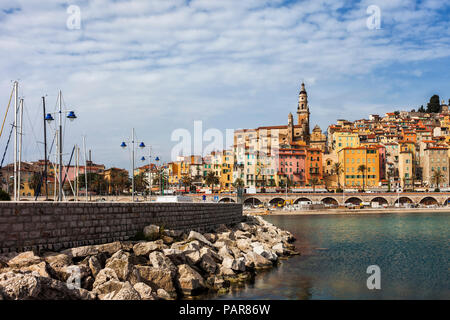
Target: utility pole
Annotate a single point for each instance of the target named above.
(20, 149)
(16, 102)
(90, 165)
(45, 151)
(77, 170)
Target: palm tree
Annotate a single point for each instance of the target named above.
(140, 182)
(238, 183)
(437, 177)
(362, 168)
(211, 180)
(314, 181)
(187, 181)
(337, 169)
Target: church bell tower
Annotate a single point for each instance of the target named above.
(303, 113)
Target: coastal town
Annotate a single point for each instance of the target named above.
(400, 151)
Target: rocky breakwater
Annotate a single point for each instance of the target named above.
(174, 265)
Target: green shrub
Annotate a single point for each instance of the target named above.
(4, 196)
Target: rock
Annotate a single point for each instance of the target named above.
(193, 257)
(279, 249)
(211, 237)
(257, 261)
(81, 252)
(224, 271)
(160, 261)
(127, 293)
(173, 233)
(145, 291)
(74, 272)
(144, 248)
(223, 242)
(212, 253)
(222, 228)
(157, 278)
(151, 232)
(163, 295)
(225, 252)
(208, 264)
(18, 286)
(234, 264)
(244, 244)
(194, 235)
(110, 248)
(242, 235)
(24, 259)
(189, 281)
(104, 276)
(224, 236)
(108, 289)
(176, 256)
(56, 263)
(87, 283)
(264, 251)
(167, 240)
(40, 268)
(95, 265)
(121, 267)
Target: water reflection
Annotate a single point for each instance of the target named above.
(412, 250)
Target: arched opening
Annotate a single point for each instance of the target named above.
(330, 201)
(380, 200)
(428, 201)
(404, 200)
(226, 200)
(354, 200)
(447, 202)
(276, 201)
(251, 201)
(301, 199)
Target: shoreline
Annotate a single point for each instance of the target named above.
(341, 211)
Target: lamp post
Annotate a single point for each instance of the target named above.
(124, 145)
(160, 178)
(71, 116)
(150, 184)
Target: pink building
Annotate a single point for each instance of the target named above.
(291, 164)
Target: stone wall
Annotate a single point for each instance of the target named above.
(54, 226)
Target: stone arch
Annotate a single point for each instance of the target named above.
(301, 199)
(276, 200)
(429, 201)
(403, 200)
(354, 200)
(446, 202)
(380, 200)
(252, 201)
(226, 199)
(330, 200)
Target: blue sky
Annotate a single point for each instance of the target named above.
(160, 65)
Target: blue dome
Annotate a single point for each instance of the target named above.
(71, 115)
(49, 117)
(141, 145)
(123, 145)
(143, 159)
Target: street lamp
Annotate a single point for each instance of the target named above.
(160, 178)
(150, 184)
(123, 145)
(49, 118)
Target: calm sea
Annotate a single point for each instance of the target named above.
(411, 249)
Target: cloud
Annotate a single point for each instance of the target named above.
(159, 65)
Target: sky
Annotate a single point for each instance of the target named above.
(159, 65)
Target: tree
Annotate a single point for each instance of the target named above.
(390, 174)
(4, 196)
(421, 109)
(211, 180)
(187, 181)
(119, 180)
(35, 181)
(434, 106)
(140, 182)
(337, 169)
(314, 181)
(96, 182)
(437, 177)
(238, 183)
(362, 168)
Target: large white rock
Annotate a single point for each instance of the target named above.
(160, 261)
(194, 235)
(151, 231)
(144, 248)
(189, 281)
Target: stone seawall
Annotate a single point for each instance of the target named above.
(55, 226)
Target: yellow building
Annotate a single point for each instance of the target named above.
(226, 173)
(351, 160)
(345, 139)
